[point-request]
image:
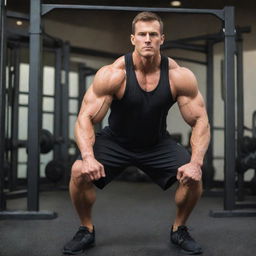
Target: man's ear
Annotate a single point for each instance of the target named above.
(132, 39)
(162, 38)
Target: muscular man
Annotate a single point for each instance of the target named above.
(139, 88)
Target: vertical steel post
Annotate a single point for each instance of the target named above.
(209, 105)
(230, 145)
(240, 89)
(2, 99)
(15, 116)
(65, 111)
(34, 111)
(240, 109)
(57, 104)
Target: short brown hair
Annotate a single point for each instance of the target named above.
(147, 16)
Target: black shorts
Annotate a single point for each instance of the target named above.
(160, 162)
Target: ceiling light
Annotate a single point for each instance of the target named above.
(175, 3)
(19, 22)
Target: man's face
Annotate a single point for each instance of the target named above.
(147, 38)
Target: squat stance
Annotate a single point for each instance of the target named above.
(139, 88)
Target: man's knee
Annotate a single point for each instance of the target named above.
(196, 186)
(77, 177)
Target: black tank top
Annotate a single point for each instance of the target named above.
(138, 119)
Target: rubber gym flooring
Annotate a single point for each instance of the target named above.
(131, 219)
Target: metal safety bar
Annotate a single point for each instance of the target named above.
(49, 7)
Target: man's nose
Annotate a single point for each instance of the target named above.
(148, 39)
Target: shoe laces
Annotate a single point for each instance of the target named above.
(183, 232)
(80, 234)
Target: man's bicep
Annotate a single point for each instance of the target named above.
(94, 106)
(98, 97)
(192, 109)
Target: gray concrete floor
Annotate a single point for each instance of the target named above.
(130, 219)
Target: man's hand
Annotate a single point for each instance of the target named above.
(189, 173)
(92, 169)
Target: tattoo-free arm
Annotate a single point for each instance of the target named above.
(192, 108)
(92, 111)
(95, 105)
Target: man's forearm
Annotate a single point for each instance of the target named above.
(85, 137)
(199, 141)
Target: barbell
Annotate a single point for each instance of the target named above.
(47, 142)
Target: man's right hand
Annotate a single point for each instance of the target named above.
(92, 169)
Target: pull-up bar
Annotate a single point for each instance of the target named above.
(49, 7)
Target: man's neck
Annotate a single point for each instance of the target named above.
(146, 64)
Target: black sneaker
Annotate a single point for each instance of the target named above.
(184, 241)
(82, 240)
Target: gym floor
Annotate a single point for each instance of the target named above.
(130, 219)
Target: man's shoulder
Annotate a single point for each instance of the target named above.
(176, 68)
(172, 64)
(182, 79)
(178, 71)
(116, 69)
(119, 63)
(110, 77)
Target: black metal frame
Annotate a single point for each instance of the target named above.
(65, 109)
(46, 8)
(57, 103)
(33, 171)
(34, 111)
(2, 99)
(209, 102)
(15, 74)
(240, 112)
(226, 15)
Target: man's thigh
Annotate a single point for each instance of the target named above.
(161, 162)
(112, 156)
